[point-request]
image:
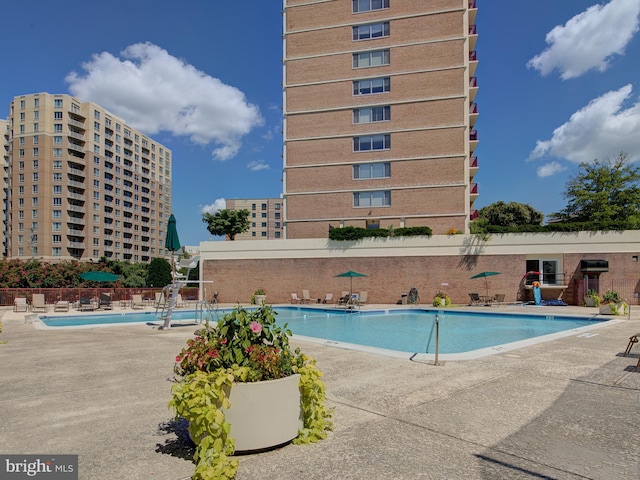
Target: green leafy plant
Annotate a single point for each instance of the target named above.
(593, 295)
(437, 300)
(259, 291)
(244, 346)
(611, 296)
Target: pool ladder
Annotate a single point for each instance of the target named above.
(206, 312)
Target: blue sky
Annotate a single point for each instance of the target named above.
(558, 85)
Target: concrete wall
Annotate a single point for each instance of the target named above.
(393, 266)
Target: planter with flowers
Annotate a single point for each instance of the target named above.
(591, 299)
(441, 300)
(612, 304)
(242, 387)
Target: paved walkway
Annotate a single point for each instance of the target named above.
(566, 409)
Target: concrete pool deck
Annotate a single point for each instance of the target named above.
(564, 409)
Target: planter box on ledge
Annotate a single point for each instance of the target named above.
(613, 308)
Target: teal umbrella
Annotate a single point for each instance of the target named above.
(97, 276)
(485, 275)
(351, 274)
(172, 242)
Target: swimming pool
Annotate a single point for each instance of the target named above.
(402, 331)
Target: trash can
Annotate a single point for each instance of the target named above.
(404, 299)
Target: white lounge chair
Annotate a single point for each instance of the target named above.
(295, 298)
(38, 303)
(20, 304)
(306, 298)
(61, 306)
(363, 298)
(137, 302)
(328, 298)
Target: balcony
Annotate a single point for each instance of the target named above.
(76, 196)
(473, 215)
(76, 135)
(73, 183)
(473, 62)
(76, 148)
(76, 221)
(473, 11)
(473, 140)
(473, 36)
(75, 113)
(474, 191)
(473, 114)
(473, 88)
(75, 171)
(79, 245)
(473, 167)
(76, 124)
(76, 208)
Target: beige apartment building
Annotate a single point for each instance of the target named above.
(379, 114)
(82, 184)
(265, 217)
(4, 128)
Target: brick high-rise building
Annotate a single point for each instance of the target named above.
(379, 113)
(82, 184)
(265, 217)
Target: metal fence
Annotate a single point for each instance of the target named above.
(52, 295)
(627, 289)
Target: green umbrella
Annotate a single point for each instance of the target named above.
(172, 242)
(96, 276)
(351, 274)
(485, 275)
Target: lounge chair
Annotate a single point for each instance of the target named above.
(137, 302)
(328, 298)
(363, 298)
(498, 299)
(344, 299)
(306, 298)
(475, 299)
(105, 301)
(295, 298)
(61, 306)
(20, 304)
(38, 303)
(86, 304)
(633, 339)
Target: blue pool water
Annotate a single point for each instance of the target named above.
(411, 331)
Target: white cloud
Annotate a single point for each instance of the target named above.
(599, 130)
(154, 91)
(589, 39)
(218, 204)
(258, 165)
(550, 169)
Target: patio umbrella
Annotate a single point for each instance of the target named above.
(351, 274)
(97, 276)
(485, 275)
(172, 242)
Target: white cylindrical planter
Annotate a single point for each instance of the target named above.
(264, 414)
(259, 299)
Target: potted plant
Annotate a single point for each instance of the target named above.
(441, 299)
(591, 299)
(259, 297)
(242, 387)
(612, 304)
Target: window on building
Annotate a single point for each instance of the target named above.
(57, 177)
(56, 226)
(373, 30)
(57, 202)
(57, 140)
(34, 202)
(264, 224)
(372, 114)
(372, 170)
(264, 234)
(56, 251)
(371, 142)
(371, 59)
(57, 127)
(56, 238)
(57, 115)
(276, 234)
(56, 213)
(276, 215)
(57, 152)
(368, 5)
(372, 199)
(57, 103)
(372, 85)
(36, 139)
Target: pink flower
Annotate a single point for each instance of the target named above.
(223, 341)
(178, 359)
(255, 327)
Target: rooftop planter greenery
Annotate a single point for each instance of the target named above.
(357, 233)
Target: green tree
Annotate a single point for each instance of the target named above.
(159, 273)
(603, 192)
(512, 214)
(227, 222)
